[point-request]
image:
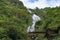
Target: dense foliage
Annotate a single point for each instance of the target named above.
(14, 20)
(50, 20)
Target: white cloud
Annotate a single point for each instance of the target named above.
(40, 4)
(53, 3)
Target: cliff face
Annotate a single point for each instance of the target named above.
(14, 20)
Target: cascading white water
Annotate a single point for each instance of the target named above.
(29, 11)
(35, 19)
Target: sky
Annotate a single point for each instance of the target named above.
(40, 3)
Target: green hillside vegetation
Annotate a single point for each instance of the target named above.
(49, 14)
(14, 20)
(50, 20)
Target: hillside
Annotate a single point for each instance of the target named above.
(14, 20)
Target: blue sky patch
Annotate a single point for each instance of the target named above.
(52, 2)
(32, 1)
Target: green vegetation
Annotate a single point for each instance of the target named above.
(50, 20)
(49, 14)
(14, 20)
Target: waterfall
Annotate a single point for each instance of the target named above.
(29, 11)
(35, 19)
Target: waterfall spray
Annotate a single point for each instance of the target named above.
(35, 19)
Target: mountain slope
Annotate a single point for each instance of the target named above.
(14, 19)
